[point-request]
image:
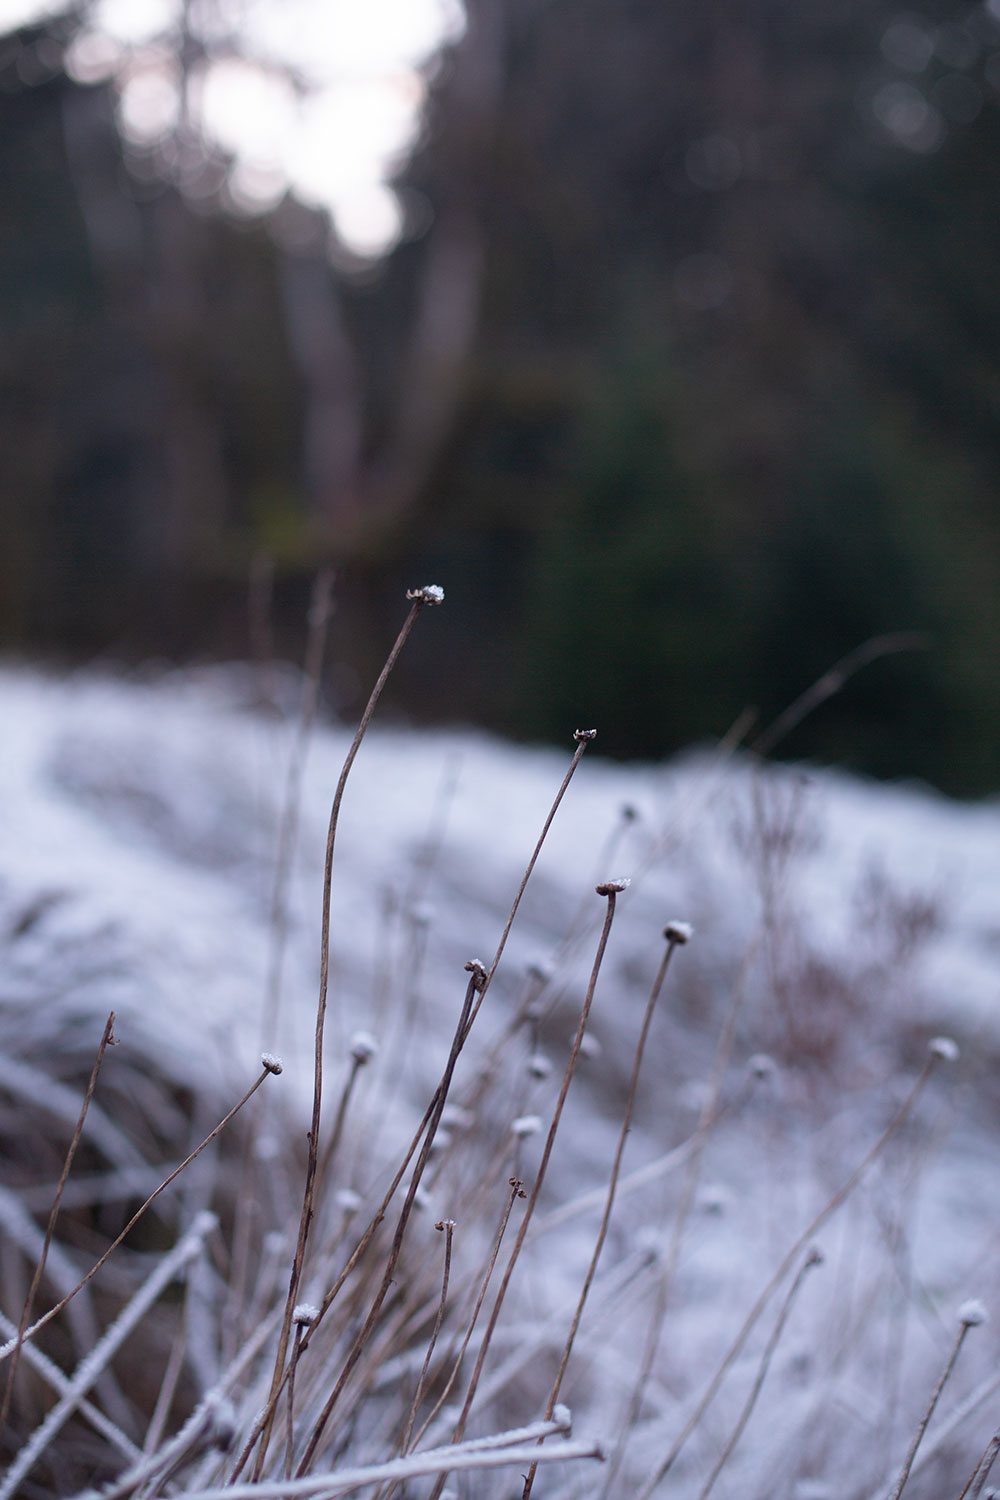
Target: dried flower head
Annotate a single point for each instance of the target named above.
(443, 1224)
(431, 593)
(943, 1048)
(477, 969)
(972, 1313)
(584, 736)
(363, 1047)
(562, 1414)
(270, 1063)
(613, 887)
(678, 932)
(539, 1065)
(304, 1313)
(761, 1066)
(526, 1125)
(348, 1200)
(542, 969)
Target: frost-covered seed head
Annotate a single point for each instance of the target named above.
(422, 1198)
(431, 593)
(584, 736)
(270, 1063)
(348, 1200)
(477, 969)
(972, 1313)
(563, 1416)
(613, 887)
(440, 1141)
(443, 1224)
(629, 813)
(422, 913)
(526, 1125)
(589, 1046)
(678, 932)
(539, 1065)
(761, 1066)
(542, 969)
(943, 1048)
(457, 1117)
(304, 1313)
(363, 1047)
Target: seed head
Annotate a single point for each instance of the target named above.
(431, 593)
(563, 1416)
(613, 887)
(270, 1063)
(972, 1313)
(761, 1066)
(477, 969)
(678, 932)
(304, 1313)
(943, 1048)
(363, 1047)
(348, 1200)
(526, 1125)
(584, 736)
(539, 1065)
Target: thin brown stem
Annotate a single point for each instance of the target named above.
(811, 1229)
(812, 1259)
(654, 995)
(269, 1067)
(448, 1225)
(610, 890)
(422, 597)
(918, 1436)
(106, 1041)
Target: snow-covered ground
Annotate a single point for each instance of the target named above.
(839, 926)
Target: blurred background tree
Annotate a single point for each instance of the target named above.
(681, 376)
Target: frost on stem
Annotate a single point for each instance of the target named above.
(363, 1047)
(613, 887)
(271, 1064)
(431, 593)
(678, 932)
(972, 1313)
(944, 1048)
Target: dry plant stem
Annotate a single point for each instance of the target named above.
(833, 680)
(319, 616)
(813, 1228)
(411, 1467)
(448, 1225)
(168, 1386)
(583, 738)
(981, 1472)
(290, 1401)
(89, 1369)
(29, 1301)
(47, 1317)
(918, 1436)
(536, 1190)
(812, 1259)
(308, 1195)
(654, 996)
(517, 1191)
(440, 1097)
(708, 1119)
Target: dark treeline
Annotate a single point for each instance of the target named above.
(684, 382)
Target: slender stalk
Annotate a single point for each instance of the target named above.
(448, 1225)
(106, 1040)
(420, 597)
(610, 891)
(674, 936)
(904, 1473)
(811, 1230)
(812, 1259)
(270, 1066)
(441, 1095)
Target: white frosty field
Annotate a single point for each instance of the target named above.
(839, 927)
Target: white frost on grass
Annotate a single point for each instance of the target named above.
(854, 922)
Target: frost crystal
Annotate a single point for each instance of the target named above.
(944, 1048)
(271, 1063)
(563, 1416)
(305, 1313)
(972, 1313)
(431, 593)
